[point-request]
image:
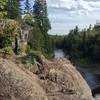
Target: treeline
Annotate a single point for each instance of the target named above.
(81, 44)
(37, 19)
(57, 41)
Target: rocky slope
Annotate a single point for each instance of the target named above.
(46, 80)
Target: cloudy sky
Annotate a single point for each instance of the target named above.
(66, 14)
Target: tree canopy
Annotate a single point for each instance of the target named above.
(13, 9)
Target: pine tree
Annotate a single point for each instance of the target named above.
(41, 15)
(41, 18)
(76, 30)
(14, 10)
(27, 7)
(36, 38)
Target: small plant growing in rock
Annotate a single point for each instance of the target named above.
(35, 53)
(7, 51)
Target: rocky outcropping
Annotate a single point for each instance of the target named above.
(46, 80)
(18, 84)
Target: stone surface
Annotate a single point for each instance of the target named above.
(18, 84)
(46, 80)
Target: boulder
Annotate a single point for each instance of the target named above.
(46, 80)
(18, 84)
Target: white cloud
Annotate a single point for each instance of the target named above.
(74, 5)
(64, 14)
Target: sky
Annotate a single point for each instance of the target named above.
(64, 15)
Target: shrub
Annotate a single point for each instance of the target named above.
(28, 19)
(8, 29)
(3, 8)
(6, 51)
(35, 53)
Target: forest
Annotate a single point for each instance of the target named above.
(81, 45)
(36, 18)
(77, 44)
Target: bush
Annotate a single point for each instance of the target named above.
(34, 53)
(6, 51)
(30, 57)
(3, 8)
(29, 20)
(8, 29)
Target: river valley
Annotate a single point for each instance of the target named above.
(93, 79)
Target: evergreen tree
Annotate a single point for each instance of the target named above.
(76, 30)
(14, 10)
(36, 38)
(84, 40)
(27, 7)
(41, 15)
(42, 20)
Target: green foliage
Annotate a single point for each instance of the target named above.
(81, 44)
(28, 19)
(85, 63)
(13, 9)
(3, 8)
(36, 38)
(5, 41)
(31, 55)
(57, 41)
(8, 30)
(10, 9)
(41, 15)
(39, 39)
(27, 7)
(6, 51)
(34, 53)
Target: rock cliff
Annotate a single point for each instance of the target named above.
(46, 80)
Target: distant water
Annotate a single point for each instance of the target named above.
(91, 79)
(59, 53)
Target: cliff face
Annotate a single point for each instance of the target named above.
(46, 80)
